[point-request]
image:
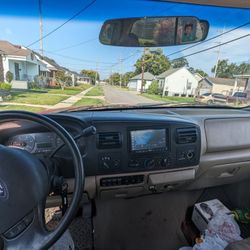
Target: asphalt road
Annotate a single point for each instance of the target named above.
(114, 95)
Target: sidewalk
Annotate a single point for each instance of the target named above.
(71, 100)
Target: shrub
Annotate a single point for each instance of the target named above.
(153, 88)
(34, 85)
(5, 86)
(9, 76)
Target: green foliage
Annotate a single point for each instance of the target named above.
(153, 88)
(9, 76)
(34, 85)
(91, 73)
(126, 77)
(5, 86)
(228, 70)
(62, 78)
(199, 71)
(178, 63)
(155, 62)
(115, 79)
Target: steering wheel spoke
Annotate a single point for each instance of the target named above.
(28, 233)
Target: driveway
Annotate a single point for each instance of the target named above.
(115, 95)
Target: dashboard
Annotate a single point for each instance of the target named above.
(135, 152)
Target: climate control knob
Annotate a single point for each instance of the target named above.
(149, 163)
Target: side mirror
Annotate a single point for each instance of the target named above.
(153, 31)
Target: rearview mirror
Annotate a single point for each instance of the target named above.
(153, 31)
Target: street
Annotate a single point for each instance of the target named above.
(114, 95)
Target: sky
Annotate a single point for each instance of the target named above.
(76, 45)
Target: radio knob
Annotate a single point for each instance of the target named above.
(164, 162)
(149, 163)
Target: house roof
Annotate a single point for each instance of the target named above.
(14, 50)
(147, 76)
(226, 81)
(168, 73)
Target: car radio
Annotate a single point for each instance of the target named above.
(149, 140)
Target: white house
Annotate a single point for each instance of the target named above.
(135, 82)
(21, 62)
(178, 82)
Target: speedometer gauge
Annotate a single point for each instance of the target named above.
(26, 142)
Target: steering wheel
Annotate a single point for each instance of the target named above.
(24, 186)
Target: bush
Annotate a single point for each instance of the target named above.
(34, 85)
(5, 86)
(9, 76)
(153, 88)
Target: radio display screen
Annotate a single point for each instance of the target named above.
(148, 140)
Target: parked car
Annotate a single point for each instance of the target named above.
(211, 98)
(239, 97)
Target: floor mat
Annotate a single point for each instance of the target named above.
(81, 232)
(148, 223)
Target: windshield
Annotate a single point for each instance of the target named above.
(51, 57)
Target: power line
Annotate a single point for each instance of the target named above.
(75, 58)
(213, 47)
(214, 37)
(61, 25)
(76, 45)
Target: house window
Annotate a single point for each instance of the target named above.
(189, 85)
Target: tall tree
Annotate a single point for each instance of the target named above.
(114, 79)
(94, 75)
(127, 76)
(155, 62)
(178, 63)
(199, 71)
(226, 69)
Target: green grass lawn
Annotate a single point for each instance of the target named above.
(89, 102)
(36, 98)
(67, 90)
(169, 98)
(96, 91)
(20, 107)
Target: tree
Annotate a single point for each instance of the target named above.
(62, 79)
(178, 63)
(153, 88)
(155, 62)
(9, 76)
(114, 79)
(94, 75)
(201, 72)
(126, 77)
(225, 69)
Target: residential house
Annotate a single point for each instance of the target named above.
(82, 79)
(135, 82)
(223, 86)
(178, 82)
(21, 62)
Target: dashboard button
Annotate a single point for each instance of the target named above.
(149, 163)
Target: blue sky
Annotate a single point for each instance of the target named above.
(20, 25)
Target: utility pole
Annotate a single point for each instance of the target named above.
(111, 76)
(96, 72)
(142, 69)
(120, 60)
(217, 61)
(41, 26)
(218, 54)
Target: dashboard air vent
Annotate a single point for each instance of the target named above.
(186, 135)
(109, 140)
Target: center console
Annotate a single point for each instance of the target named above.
(129, 147)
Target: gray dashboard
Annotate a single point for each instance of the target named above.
(219, 154)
